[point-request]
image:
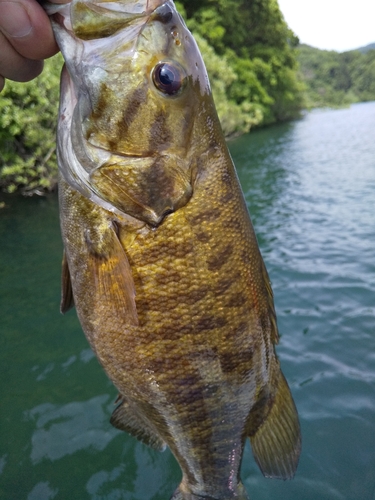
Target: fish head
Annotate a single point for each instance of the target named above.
(135, 96)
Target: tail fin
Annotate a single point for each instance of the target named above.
(239, 494)
(276, 444)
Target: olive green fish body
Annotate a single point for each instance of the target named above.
(164, 266)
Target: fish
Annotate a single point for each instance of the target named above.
(161, 260)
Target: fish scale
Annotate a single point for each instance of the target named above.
(160, 254)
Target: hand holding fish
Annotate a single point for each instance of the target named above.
(26, 38)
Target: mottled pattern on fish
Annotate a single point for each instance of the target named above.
(167, 277)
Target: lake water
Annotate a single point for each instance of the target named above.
(310, 187)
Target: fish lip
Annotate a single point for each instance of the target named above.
(64, 8)
(62, 17)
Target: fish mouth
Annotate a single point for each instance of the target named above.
(130, 7)
(92, 19)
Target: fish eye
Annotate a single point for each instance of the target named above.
(168, 77)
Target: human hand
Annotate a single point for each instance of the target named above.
(26, 38)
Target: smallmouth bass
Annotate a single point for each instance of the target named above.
(161, 259)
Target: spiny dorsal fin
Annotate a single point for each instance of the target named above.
(127, 419)
(276, 444)
(67, 299)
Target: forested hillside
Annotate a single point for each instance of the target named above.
(366, 48)
(337, 79)
(250, 54)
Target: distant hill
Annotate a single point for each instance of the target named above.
(363, 50)
(366, 48)
(336, 79)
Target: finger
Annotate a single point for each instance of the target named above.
(27, 28)
(2, 83)
(14, 66)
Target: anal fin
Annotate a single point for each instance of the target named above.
(126, 418)
(276, 444)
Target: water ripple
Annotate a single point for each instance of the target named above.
(64, 430)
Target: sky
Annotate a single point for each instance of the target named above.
(331, 24)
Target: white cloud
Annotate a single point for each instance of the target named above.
(331, 24)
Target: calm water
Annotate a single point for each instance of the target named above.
(310, 187)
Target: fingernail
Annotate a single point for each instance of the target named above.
(14, 19)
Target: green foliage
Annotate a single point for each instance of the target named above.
(362, 73)
(28, 115)
(337, 79)
(236, 116)
(256, 44)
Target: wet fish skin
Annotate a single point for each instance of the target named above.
(167, 278)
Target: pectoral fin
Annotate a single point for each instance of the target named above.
(112, 274)
(67, 299)
(276, 444)
(127, 419)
